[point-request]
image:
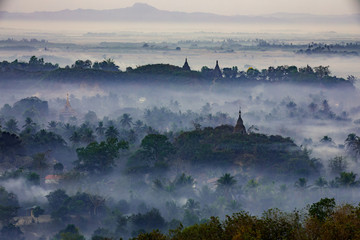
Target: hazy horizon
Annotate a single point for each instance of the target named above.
(232, 7)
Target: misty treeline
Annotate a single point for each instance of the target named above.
(123, 176)
(107, 70)
(228, 45)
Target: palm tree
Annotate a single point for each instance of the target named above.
(301, 183)
(111, 132)
(225, 183)
(29, 124)
(11, 126)
(347, 179)
(192, 205)
(138, 126)
(321, 182)
(100, 129)
(75, 138)
(126, 120)
(352, 143)
(87, 136)
(52, 126)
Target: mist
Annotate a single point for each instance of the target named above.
(105, 127)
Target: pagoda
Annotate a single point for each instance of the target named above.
(186, 66)
(239, 127)
(217, 71)
(67, 112)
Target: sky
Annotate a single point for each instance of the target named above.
(224, 7)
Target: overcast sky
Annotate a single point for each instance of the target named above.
(226, 7)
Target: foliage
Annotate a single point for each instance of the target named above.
(148, 221)
(337, 165)
(347, 179)
(220, 147)
(37, 211)
(322, 209)
(71, 232)
(9, 206)
(156, 148)
(99, 157)
(11, 232)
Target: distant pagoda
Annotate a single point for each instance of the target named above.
(67, 112)
(186, 66)
(217, 71)
(239, 127)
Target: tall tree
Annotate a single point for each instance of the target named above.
(99, 157)
(11, 126)
(126, 120)
(111, 132)
(225, 183)
(352, 144)
(157, 147)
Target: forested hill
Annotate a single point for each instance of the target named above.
(107, 70)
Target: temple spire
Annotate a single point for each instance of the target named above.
(186, 66)
(67, 112)
(239, 127)
(217, 71)
(67, 100)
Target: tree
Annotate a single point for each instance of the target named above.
(106, 65)
(225, 183)
(139, 126)
(157, 148)
(347, 179)
(58, 167)
(301, 183)
(126, 120)
(33, 178)
(91, 117)
(39, 162)
(80, 64)
(87, 136)
(352, 144)
(37, 211)
(52, 125)
(9, 206)
(337, 165)
(100, 129)
(154, 235)
(75, 138)
(322, 71)
(29, 124)
(11, 232)
(111, 132)
(99, 157)
(11, 126)
(101, 234)
(71, 232)
(57, 199)
(10, 145)
(321, 182)
(230, 72)
(327, 140)
(322, 209)
(148, 221)
(192, 206)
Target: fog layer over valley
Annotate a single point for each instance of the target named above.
(125, 153)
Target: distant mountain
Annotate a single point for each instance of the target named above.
(141, 12)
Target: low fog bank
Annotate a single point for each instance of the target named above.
(318, 120)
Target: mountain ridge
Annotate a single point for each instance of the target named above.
(140, 12)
